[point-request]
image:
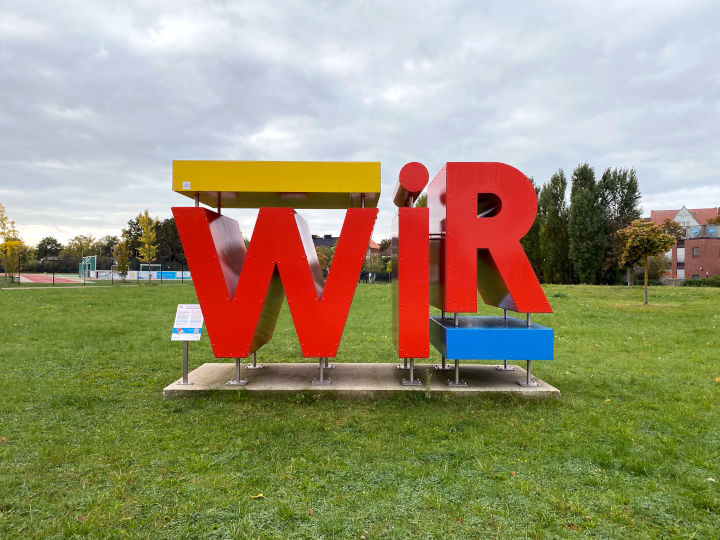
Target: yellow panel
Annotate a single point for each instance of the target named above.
(296, 184)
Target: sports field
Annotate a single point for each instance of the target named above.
(89, 448)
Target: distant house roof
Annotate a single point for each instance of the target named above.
(701, 215)
(324, 241)
(330, 241)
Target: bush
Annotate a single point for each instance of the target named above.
(704, 282)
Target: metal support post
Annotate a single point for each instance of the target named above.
(528, 378)
(457, 381)
(238, 380)
(527, 320)
(505, 314)
(456, 319)
(505, 367)
(412, 381)
(219, 195)
(185, 364)
(444, 366)
(328, 365)
(404, 365)
(442, 314)
(197, 199)
(322, 381)
(254, 364)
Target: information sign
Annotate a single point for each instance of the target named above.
(188, 323)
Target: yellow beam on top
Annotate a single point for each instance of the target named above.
(295, 184)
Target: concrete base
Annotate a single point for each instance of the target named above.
(359, 380)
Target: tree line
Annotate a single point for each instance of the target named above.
(575, 239)
(143, 240)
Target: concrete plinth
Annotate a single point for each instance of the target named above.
(357, 380)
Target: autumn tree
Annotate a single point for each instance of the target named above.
(674, 229)
(643, 239)
(12, 247)
(715, 220)
(147, 248)
(586, 225)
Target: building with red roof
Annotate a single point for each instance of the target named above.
(698, 254)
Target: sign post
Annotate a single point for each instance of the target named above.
(187, 327)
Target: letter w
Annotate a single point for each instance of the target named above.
(241, 292)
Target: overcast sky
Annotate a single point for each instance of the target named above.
(97, 99)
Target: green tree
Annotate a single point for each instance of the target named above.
(81, 246)
(586, 225)
(643, 239)
(170, 250)
(421, 201)
(131, 235)
(48, 247)
(657, 267)
(620, 199)
(715, 220)
(148, 247)
(385, 243)
(374, 264)
(553, 222)
(106, 245)
(122, 258)
(531, 241)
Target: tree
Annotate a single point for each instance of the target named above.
(48, 247)
(553, 220)
(322, 259)
(374, 264)
(715, 220)
(106, 245)
(531, 241)
(170, 250)
(325, 256)
(421, 201)
(586, 225)
(148, 247)
(11, 247)
(643, 239)
(620, 199)
(674, 229)
(122, 256)
(131, 235)
(81, 246)
(385, 243)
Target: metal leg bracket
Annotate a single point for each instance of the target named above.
(322, 381)
(238, 380)
(443, 366)
(528, 378)
(505, 367)
(254, 364)
(411, 381)
(458, 381)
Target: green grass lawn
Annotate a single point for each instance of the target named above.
(91, 449)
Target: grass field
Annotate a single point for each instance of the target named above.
(89, 448)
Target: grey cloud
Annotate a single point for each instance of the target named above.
(97, 99)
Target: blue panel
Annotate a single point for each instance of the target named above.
(491, 338)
